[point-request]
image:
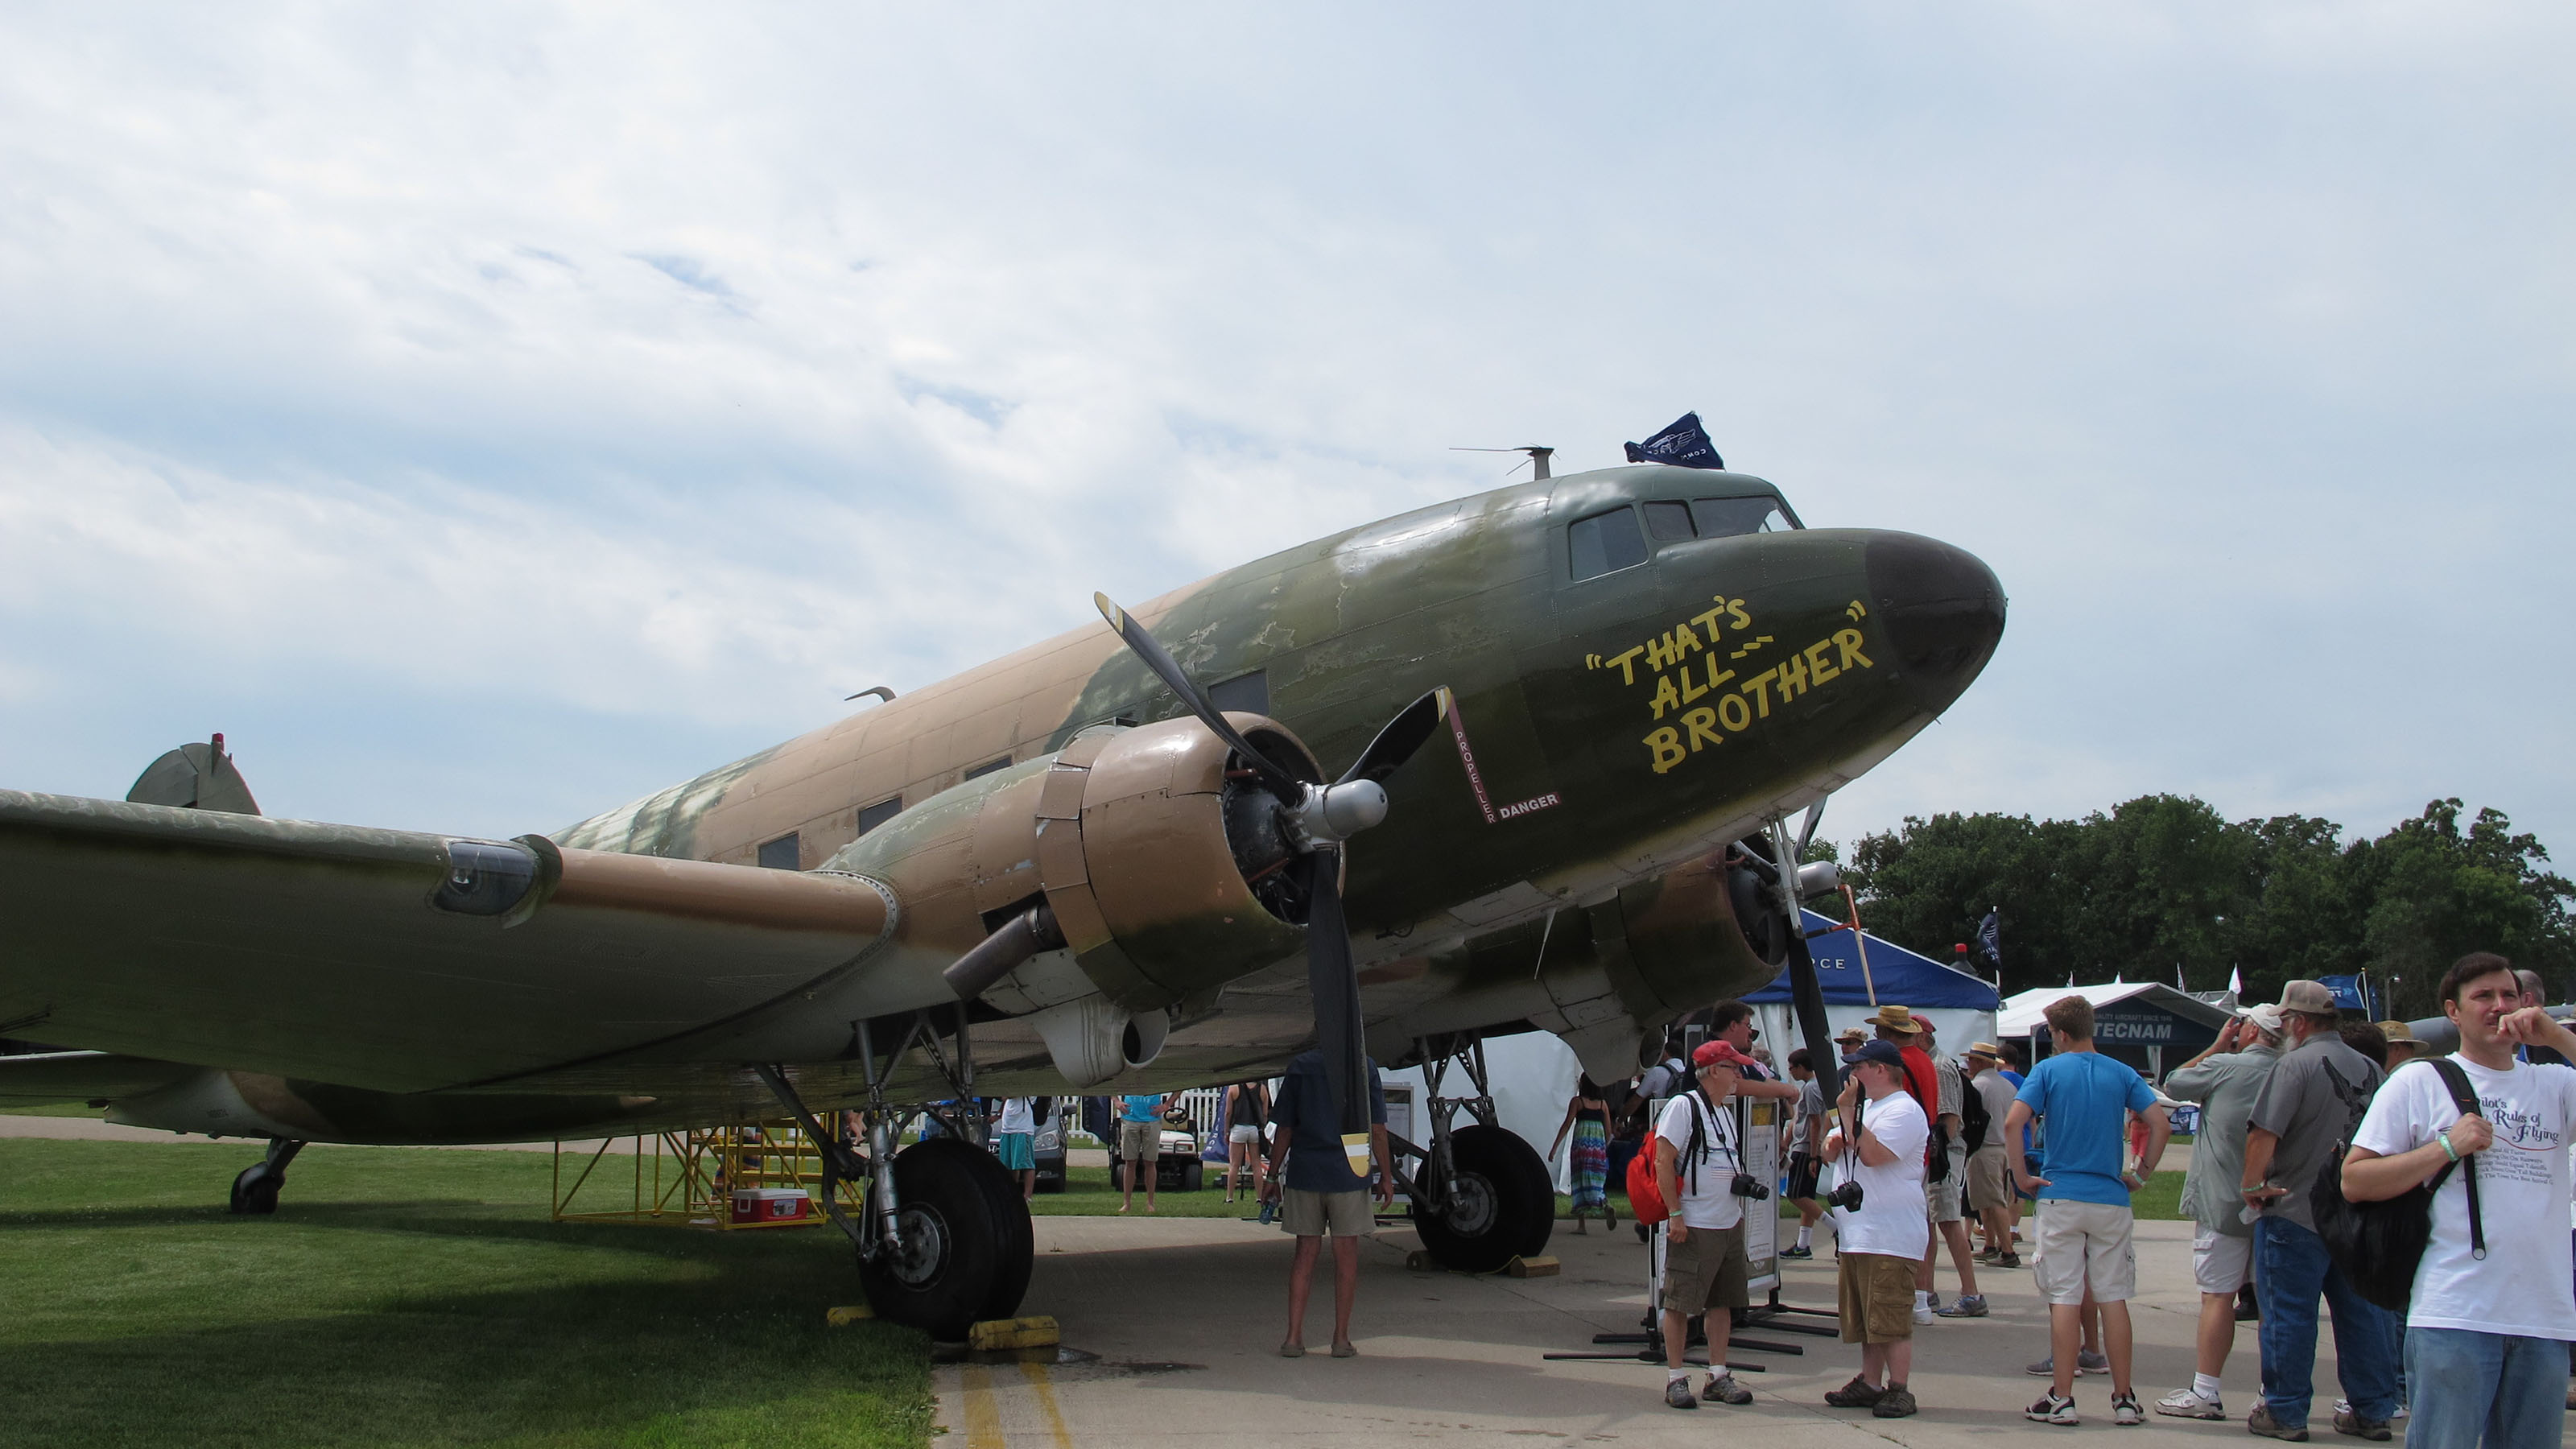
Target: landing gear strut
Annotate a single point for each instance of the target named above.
(943, 1239)
(255, 1190)
(1483, 1196)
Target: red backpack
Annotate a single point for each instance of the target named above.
(1645, 1200)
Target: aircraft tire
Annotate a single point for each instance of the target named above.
(1512, 1208)
(971, 1247)
(255, 1191)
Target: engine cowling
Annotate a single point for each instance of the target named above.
(1166, 864)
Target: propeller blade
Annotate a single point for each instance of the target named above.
(1402, 735)
(1167, 669)
(1334, 983)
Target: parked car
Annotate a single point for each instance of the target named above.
(1049, 1143)
(1177, 1169)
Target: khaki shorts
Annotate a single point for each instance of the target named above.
(1876, 1295)
(2085, 1242)
(1941, 1199)
(1707, 1271)
(2221, 1263)
(1140, 1141)
(1988, 1186)
(1326, 1214)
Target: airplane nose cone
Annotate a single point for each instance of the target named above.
(1940, 609)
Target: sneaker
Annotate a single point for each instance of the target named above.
(2348, 1422)
(2344, 1406)
(1677, 1394)
(1797, 1252)
(1933, 1298)
(2008, 1260)
(2190, 1403)
(2044, 1369)
(1723, 1389)
(2125, 1410)
(2089, 1362)
(1986, 1256)
(1924, 1312)
(2261, 1422)
(2053, 1410)
(1894, 1404)
(1970, 1305)
(1858, 1394)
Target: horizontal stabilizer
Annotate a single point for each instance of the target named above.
(195, 777)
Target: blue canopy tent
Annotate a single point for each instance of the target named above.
(1961, 1006)
(1902, 977)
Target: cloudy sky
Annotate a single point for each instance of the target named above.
(485, 415)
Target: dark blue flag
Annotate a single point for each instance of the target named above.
(1990, 940)
(1683, 445)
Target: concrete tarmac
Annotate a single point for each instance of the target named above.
(94, 1129)
(1185, 1317)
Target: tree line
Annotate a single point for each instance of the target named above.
(2165, 881)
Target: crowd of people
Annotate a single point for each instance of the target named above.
(2307, 1124)
(1946, 1151)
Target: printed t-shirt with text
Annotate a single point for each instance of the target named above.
(1710, 1201)
(2087, 1099)
(1892, 1217)
(2521, 1288)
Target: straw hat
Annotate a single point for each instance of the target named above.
(1897, 1018)
(1986, 1049)
(2401, 1036)
(1850, 1034)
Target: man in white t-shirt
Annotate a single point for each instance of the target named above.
(1697, 1162)
(1882, 1240)
(2486, 1332)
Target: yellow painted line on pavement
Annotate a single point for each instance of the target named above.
(983, 1416)
(1044, 1384)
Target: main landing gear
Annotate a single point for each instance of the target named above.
(255, 1190)
(1483, 1196)
(943, 1237)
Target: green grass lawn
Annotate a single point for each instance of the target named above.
(405, 1297)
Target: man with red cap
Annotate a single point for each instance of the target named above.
(1698, 1162)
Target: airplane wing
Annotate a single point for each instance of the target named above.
(51, 1079)
(394, 960)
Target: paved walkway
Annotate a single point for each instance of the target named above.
(1185, 1317)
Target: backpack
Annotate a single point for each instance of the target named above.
(1974, 1119)
(2378, 1245)
(1645, 1197)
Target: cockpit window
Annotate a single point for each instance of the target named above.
(1605, 542)
(1667, 521)
(1731, 517)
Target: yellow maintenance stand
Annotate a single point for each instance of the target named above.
(745, 1175)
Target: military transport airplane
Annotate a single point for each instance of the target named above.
(1519, 761)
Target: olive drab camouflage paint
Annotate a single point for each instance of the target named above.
(1638, 681)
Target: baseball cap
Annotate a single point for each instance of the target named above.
(2267, 1017)
(1882, 1052)
(1719, 1054)
(1851, 1033)
(2310, 997)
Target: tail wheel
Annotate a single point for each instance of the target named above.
(255, 1190)
(967, 1245)
(1504, 1207)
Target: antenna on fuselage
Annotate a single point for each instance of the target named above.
(879, 690)
(1537, 455)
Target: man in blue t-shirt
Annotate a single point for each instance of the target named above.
(1140, 1141)
(2083, 1189)
(1321, 1195)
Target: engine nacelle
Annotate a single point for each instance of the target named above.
(1168, 873)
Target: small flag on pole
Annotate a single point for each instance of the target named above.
(1990, 939)
(2235, 981)
(1683, 445)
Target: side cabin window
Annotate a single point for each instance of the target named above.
(1605, 543)
(872, 816)
(1733, 517)
(978, 772)
(1245, 693)
(784, 853)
